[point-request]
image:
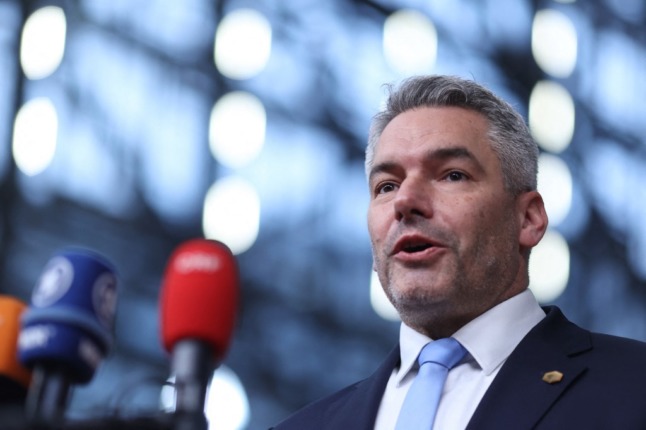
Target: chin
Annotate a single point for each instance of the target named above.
(418, 293)
(419, 302)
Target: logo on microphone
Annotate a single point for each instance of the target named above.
(53, 283)
(197, 262)
(35, 337)
(104, 298)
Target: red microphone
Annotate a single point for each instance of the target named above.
(199, 303)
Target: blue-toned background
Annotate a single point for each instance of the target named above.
(129, 126)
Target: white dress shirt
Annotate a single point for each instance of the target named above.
(489, 340)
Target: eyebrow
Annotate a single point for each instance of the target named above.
(439, 154)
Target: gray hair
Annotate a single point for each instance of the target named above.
(510, 138)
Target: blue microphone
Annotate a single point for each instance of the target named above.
(67, 330)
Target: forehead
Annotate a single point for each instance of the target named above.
(416, 133)
(428, 128)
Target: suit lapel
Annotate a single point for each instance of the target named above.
(518, 397)
(358, 410)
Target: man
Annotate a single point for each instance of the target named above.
(453, 216)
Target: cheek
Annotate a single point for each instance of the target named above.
(371, 227)
(497, 225)
(474, 220)
(377, 225)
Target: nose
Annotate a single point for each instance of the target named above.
(414, 198)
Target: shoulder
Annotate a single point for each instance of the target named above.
(598, 350)
(556, 321)
(609, 340)
(618, 349)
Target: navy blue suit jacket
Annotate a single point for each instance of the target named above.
(603, 386)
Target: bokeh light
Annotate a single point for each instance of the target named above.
(242, 44)
(237, 129)
(410, 42)
(232, 213)
(43, 42)
(555, 185)
(551, 116)
(549, 267)
(35, 136)
(554, 43)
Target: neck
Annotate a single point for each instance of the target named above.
(440, 323)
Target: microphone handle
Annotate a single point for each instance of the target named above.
(192, 364)
(47, 397)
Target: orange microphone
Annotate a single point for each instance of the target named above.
(14, 377)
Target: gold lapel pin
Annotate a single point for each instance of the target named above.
(552, 377)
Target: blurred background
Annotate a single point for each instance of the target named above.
(130, 126)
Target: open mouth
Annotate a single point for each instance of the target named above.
(413, 244)
(412, 248)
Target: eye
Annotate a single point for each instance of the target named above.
(385, 187)
(455, 176)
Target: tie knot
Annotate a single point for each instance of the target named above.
(446, 351)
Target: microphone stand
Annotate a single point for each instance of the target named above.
(192, 364)
(47, 398)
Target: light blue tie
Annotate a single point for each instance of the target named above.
(420, 405)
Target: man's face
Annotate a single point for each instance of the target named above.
(444, 230)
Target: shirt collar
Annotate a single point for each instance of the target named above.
(489, 339)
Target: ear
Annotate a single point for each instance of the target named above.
(532, 219)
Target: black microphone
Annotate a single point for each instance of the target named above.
(199, 302)
(67, 330)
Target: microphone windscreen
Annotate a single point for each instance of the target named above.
(199, 297)
(71, 318)
(11, 370)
